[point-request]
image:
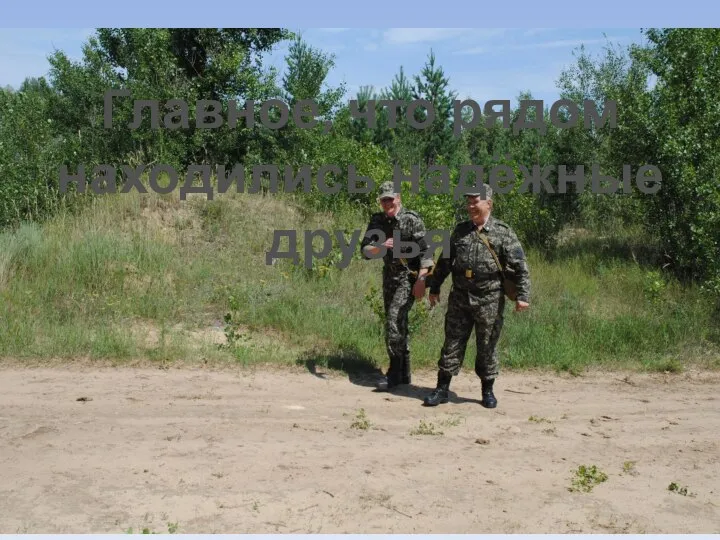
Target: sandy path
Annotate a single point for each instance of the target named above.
(263, 451)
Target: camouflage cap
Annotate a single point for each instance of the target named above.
(387, 189)
(483, 191)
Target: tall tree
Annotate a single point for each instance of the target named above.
(685, 120)
(305, 79)
(437, 143)
(164, 64)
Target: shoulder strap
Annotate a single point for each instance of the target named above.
(484, 239)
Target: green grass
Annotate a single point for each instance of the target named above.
(133, 275)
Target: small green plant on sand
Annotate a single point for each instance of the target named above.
(586, 478)
(361, 421)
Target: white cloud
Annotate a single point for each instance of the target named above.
(554, 44)
(507, 83)
(486, 33)
(479, 50)
(535, 31)
(421, 35)
(574, 42)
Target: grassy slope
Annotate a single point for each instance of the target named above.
(152, 277)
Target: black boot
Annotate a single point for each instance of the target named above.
(393, 377)
(440, 394)
(488, 398)
(405, 377)
(388, 382)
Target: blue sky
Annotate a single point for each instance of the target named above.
(481, 63)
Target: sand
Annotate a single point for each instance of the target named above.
(103, 450)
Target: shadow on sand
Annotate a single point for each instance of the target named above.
(360, 369)
(420, 392)
(363, 371)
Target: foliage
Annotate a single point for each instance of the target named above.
(672, 123)
(686, 124)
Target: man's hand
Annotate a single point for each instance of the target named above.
(521, 306)
(372, 250)
(434, 299)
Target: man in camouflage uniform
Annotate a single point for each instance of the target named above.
(477, 298)
(403, 279)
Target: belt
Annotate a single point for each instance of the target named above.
(401, 263)
(469, 273)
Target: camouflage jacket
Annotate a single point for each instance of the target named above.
(474, 268)
(411, 229)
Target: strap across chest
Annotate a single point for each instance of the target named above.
(484, 239)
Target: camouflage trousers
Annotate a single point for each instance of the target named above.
(398, 299)
(466, 312)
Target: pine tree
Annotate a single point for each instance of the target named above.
(437, 142)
